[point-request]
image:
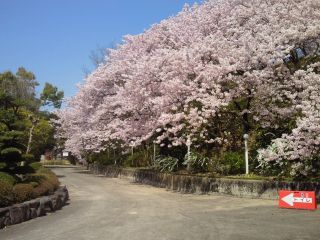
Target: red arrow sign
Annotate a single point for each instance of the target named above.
(297, 199)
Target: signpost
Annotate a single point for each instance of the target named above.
(297, 199)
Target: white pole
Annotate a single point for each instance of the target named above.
(154, 153)
(132, 155)
(246, 136)
(188, 153)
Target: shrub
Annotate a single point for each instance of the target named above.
(299, 170)
(5, 194)
(5, 177)
(47, 182)
(11, 154)
(40, 190)
(103, 158)
(2, 165)
(38, 178)
(22, 192)
(197, 162)
(23, 170)
(35, 165)
(230, 163)
(43, 182)
(137, 159)
(53, 180)
(29, 158)
(166, 163)
(175, 151)
(44, 188)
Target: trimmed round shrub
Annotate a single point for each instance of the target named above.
(53, 179)
(35, 165)
(29, 158)
(22, 192)
(6, 197)
(48, 182)
(23, 170)
(2, 165)
(38, 178)
(11, 154)
(49, 176)
(5, 177)
(41, 183)
(44, 188)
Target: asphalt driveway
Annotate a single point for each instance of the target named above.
(105, 208)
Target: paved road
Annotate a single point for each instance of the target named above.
(104, 208)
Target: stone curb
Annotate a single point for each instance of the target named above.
(205, 185)
(34, 208)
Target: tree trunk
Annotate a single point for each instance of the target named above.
(34, 123)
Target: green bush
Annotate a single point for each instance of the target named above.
(2, 165)
(11, 154)
(103, 158)
(29, 158)
(5, 177)
(230, 163)
(35, 177)
(22, 192)
(47, 180)
(196, 162)
(166, 163)
(35, 165)
(26, 169)
(41, 183)
(139, 158)
(175, 151)
(6, 197)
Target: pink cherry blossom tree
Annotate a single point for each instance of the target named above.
(198, 74)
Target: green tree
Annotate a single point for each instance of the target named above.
(51, 96)
(25, 130)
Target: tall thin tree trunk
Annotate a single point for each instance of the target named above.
(34, 123)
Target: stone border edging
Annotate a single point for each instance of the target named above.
(34, 208)
(206, 185)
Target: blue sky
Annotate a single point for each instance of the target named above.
(54, 38)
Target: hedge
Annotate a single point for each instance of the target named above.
(43, 182)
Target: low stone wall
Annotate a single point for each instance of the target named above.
(206, 185)
(34, 208)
